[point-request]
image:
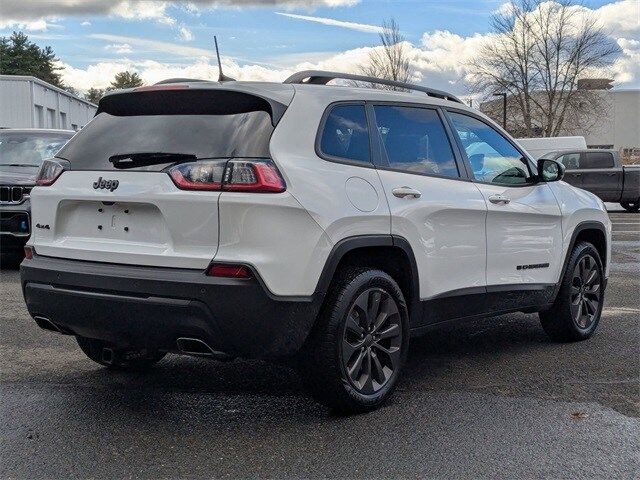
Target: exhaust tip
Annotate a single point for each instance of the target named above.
(199, 348)
(47, 324)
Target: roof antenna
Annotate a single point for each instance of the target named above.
(221, 76)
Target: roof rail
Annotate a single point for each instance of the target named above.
(319, 77)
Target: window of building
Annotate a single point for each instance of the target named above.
(39, 110)
(51, 118)
(63, 120)
(415, 141)
(345, 134)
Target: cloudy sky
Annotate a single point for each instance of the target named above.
(270, 39)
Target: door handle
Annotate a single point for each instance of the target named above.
(402, 192)
(499, 199)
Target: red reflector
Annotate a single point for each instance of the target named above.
(28, 252)
(153, 88)
(229, 271)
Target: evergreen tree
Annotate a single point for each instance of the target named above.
(19, 56)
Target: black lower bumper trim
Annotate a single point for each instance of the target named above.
(153, 307)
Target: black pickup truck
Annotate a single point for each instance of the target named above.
(602, 173)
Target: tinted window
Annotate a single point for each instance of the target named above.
(571, 161)
(205, 136)
(345, 134)
(597, 160)
(492, 157)
(415, 140)
(29, 148)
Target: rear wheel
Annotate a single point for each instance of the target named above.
(576, 311)
(631, 206)
(118, 358)
(353, 358)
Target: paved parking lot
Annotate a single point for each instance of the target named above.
(489, 398)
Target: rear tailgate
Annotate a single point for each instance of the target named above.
(145, 221)
(115, 201)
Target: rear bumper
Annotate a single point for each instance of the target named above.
(152, 307)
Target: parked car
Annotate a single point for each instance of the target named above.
(601, 172)
(21, 154)
(539, 146)
(321, 224)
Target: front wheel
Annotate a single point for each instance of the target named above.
(577, 309)
(631, 206)
(353, 357)
(118, 358)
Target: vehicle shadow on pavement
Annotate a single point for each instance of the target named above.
(434, 363)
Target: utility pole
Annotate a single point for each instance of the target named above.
(504, 108)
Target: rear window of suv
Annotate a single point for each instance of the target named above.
(224, 129)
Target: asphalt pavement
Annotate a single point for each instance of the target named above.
(491, 398)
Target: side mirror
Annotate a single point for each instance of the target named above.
(550, 170)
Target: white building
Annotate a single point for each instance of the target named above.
(619, 125)
(27, 102)
(616, 125)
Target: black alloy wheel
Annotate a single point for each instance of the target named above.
(585, 292)
(372, 340)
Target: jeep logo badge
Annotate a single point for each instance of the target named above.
(110, 185)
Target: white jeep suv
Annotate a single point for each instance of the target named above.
(325, 224)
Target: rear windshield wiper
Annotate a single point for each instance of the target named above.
(142, 159)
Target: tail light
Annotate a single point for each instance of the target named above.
(238, 175)
(202, 175)
(49, 172)
(228, 271)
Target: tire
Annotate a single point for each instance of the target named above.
(631, 206)
(344, 339)
(576, 312)
(118, 359)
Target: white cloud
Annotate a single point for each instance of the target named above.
(146, 9)
(618, 17)
(86, 24)
(360, 27)
(121, 48)
(185, 34)
(626, 69)
(39, 25)
(143, 10)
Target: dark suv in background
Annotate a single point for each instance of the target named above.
(21, 154)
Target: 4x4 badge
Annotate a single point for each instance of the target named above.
(110, 185)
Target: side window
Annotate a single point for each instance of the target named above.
(345, 134)
(571, 161)
(597, 160)
(493, 158)
(415, 140)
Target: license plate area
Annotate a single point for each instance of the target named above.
(112, 221)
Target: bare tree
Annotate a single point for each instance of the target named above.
(390, 60)
(538, 53)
